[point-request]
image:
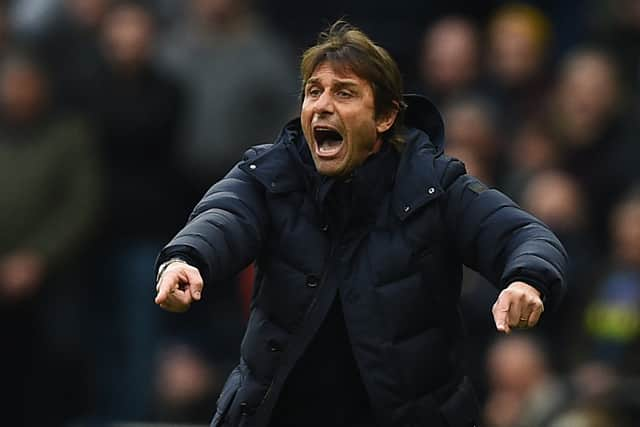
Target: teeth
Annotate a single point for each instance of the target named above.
(328, 140)
(329, 145)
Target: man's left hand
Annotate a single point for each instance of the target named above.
(518, 306)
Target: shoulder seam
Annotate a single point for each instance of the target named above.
(452, 170)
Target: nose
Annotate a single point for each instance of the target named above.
(324, 104)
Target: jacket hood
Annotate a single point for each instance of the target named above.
(422, 114)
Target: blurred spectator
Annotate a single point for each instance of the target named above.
(587, 118)
(519, 35)
(524, 391)
(70, 48)
(533, 149)
(613, 315)
(519, 44)
(593, 381)
(169, 12)
(241, 88)
(5, 31)
(555, 198)
(136, 110)
(30, 17)
(617, 30)
(601, 400)
(183, 379)
(587, 96)
(588, 417)
(473, 135)
(50, 195)
(449, 62)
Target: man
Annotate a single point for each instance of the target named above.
(135, 110)
(51, 199)
(218, 49)
(359, 227)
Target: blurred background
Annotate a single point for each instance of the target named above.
(116, 116)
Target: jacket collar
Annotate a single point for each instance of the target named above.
(416, 181)
(283, 167)
(279, 167)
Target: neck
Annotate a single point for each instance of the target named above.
(376, 146)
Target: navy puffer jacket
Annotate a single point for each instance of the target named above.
(397, 274)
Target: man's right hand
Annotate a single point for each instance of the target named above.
(178, 286)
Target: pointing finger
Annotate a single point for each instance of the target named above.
(167, 283)
(501, 314)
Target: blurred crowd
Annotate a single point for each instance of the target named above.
(117, 115)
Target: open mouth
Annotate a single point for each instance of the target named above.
(328, 141)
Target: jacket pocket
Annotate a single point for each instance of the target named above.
(227, 395)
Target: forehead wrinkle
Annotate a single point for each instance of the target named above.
(340, 70)
(336, 82)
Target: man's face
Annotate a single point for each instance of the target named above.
(128, 35)
(339, 121)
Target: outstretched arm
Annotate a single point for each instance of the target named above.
(223, 235)
(508, 246)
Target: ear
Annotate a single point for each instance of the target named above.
(384, 122)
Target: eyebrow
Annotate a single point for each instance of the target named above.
(336, 82)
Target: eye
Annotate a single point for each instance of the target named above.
(313, 91)
(344, 94)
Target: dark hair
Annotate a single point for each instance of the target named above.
(346, 47)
